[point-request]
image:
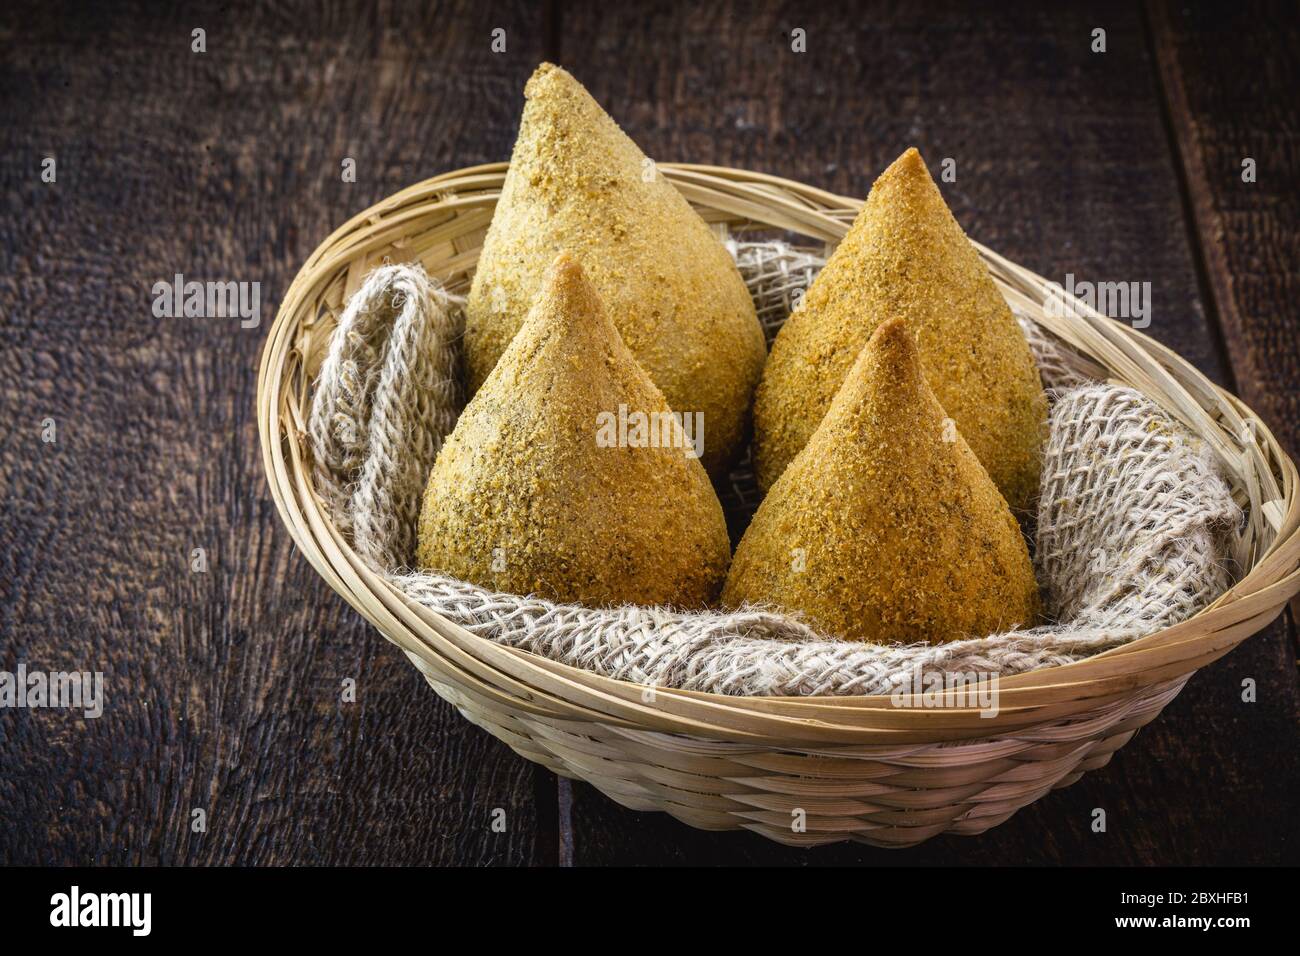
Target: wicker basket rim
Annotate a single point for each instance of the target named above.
(437, 221)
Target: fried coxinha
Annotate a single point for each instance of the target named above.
(886, 527)
(525, 497)
(906, 257)
(578, 184)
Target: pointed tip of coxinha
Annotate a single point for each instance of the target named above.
(567, 297)
(888, 376)
(565, 270)
(910, 164)
(567, 315)
(549, 72)
(900, 532)
(550, 81)
(525, 496)
(906, 256)
(907, 183)
(891, 351)
(577, 182)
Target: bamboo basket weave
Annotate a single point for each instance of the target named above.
(836, 768)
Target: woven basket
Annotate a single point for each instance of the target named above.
(808, 770)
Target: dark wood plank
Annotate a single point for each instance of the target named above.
(223, 689)
(1230, 102)
(1063, 165)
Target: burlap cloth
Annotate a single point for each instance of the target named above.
(1130, 536)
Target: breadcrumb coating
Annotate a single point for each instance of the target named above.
(524, 498)
(907, 257)
(886, 527)
(578, 184)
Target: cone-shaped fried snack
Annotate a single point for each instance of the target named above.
(536, 492)
(906, 257)
(577, 183)
(886, 527)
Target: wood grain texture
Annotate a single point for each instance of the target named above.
(224, 688)
(1063, 165)
(1229, 103)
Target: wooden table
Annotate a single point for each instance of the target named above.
(224, 687)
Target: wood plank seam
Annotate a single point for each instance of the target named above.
(1202, 222)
